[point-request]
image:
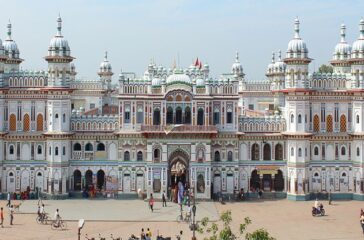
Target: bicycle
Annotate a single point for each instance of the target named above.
(186, 218)
(56, 224)
(43, 219)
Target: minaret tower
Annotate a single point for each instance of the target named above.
(357, 60)
(58, 113)
(341, 54)
(296, 113)
(105, 73)
(12, 52)
(59, 60)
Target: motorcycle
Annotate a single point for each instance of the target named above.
(320, 211)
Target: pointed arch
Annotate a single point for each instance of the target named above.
(26, 123)
(12, 122)
(343, 123)
(316, 123)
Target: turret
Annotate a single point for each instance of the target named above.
(105, 73)
(11, 51)
(341, 54)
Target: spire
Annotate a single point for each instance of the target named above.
(237, 57)
(59, 27)
(296, 28)
(279, 56)
(9, 30)
(361, 28)
(105, 57)
(343, 33)
(273, 57)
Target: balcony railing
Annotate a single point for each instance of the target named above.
(177, 128)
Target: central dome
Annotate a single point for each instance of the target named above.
(178, 77)
(59, 45)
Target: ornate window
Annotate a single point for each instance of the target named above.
(216, 116)
(63, 150)
(278, 152)
(126, 156)
(300, 152)
(316, 123)
(343, 123)
(230, 156)
(217, 156)
(292, 152)
(156, 116)
(200, 116)
(329, 124)
(188, 115)
(357, 119)
(156, 155)
(89, 147)
(12, 122)
(39, 149)
(11, 149)
(100, 147)
(26, 123)
(140, 156)
(343, 151)
(266, 152)
(255, 151)
(316, 151)
(56, 151)
(292, 118)
(299, 118)
(77, 147)
(169, 115)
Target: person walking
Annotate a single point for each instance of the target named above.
(151, 202)
(164, 199)
(362, 222)
(149, 233)
(142, 235)
(9, 200)
(57, 217)
(2, 217)
(11, 213)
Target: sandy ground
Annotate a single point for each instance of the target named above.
(282, 218)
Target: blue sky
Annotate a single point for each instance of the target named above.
(135, 31)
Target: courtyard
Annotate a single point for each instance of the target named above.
(282, 218)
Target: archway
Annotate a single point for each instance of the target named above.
(100, 179)
(266, 152)
(278, 152)
(278, 181)
(77, 180)
(178, 172)
(200, 116)
(88, 178)
(178, 115)
(254, 180)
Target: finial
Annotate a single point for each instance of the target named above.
(237, 56)
(297, 28)
(279, 55)
(273, 57)
(59, 27)
(9, 30)
(342, 32)
(361, 28)
(105, 57)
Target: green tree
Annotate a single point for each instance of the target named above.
(325, 69)
(226, 233)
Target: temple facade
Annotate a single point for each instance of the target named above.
(293, 135)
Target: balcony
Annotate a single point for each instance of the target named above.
(167, 129)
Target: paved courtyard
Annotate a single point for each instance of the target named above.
(283, 219)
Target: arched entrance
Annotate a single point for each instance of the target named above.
(254, 180)
(178, 172)
(77, 180)
(278, 181)
(100, 179)
(88, 179)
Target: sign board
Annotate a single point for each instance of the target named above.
(272, 170)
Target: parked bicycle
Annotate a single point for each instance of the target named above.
(59, 224)
(184, 217)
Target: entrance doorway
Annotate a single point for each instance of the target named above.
(100, 179)
(77, 180)
(88, 178)
(254, 181)
(178, 174)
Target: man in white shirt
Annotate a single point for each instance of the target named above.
(57, 217)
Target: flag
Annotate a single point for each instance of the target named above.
(169, 128)
(197, 63)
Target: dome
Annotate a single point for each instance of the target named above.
(156, 82)
(178, 77)
(342, 49)
(200, 82)
(297, 47)
(105, 65)
(59, 45)
(10, 47)
(237, 68)
(270, 68)
(358, 45)
(279, 66)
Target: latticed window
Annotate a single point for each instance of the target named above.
(316, 123)
(12, 122)
(343, 123)
(255, 152)
(26, 123)
(329, 126)
(39, 122)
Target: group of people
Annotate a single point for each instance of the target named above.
(11, 215)
(145, 235)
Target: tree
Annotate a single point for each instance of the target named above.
(325, 69)
(226, 233)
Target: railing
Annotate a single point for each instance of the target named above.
(178, 128)
(262, 124)
(76, 155)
